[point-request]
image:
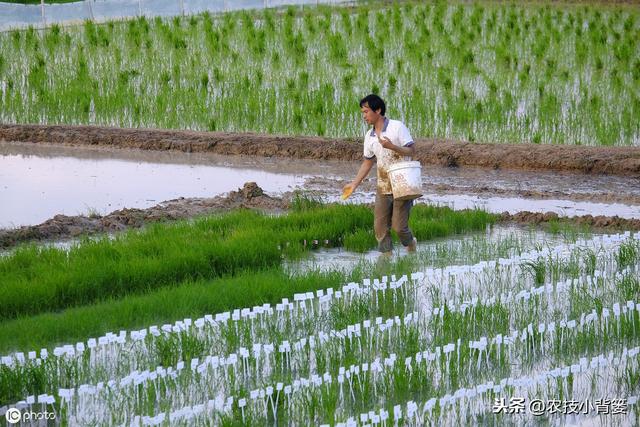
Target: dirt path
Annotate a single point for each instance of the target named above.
(62, 227)
(623, 161)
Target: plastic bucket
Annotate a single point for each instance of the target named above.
(406, 180)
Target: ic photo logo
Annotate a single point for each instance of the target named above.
(14, 416)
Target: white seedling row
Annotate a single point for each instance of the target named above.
(261, 351)
(413, 414)
(259, 359)
(214, 371)
(467, 282)
(265, 400)
(255, 365)
(307, 304)
(302, 306)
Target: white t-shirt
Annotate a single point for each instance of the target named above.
(399, 135)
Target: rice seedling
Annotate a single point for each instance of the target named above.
(494, 73)
(627, 254)
(373, 342)
(163, 255)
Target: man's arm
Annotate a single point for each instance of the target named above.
(364, 170)
(408, 150)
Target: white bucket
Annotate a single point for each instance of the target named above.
(406, 180)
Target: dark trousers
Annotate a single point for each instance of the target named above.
(389, 214)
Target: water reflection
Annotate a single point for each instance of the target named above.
(34, 188)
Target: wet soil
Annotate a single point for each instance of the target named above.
(623, 161)
(62, 227)
(250, 196)
(599, 222)
(486, 191)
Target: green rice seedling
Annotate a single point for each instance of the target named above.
(521, 48)
(359, 241)
(538, 270)
(168, 350)
(475, 322)
(17, 383)
(341, 316)
(631, 380)
(568, 230)
(629, 288)
(627, 254)
(303, 202)
(162, 306)
(590, 262)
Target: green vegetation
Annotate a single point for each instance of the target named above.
(411, 351)
(189, 299)
(559, 319)
(494, 72)
(38, 280)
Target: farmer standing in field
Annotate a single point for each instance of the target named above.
(388, 142)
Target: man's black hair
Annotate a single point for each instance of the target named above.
(374, 102)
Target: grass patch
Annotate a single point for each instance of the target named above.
(38, 279)
(190, 299)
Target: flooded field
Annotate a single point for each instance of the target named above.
(174, 250)
(496, 241)
(481, 312)
(38, 182)
(472, 318)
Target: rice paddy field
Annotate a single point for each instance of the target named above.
(209, 322)
(490, 72)
(291, 318)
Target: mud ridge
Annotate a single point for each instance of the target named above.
(623, 161)
(485, 191)
(599, 222)
(62, 227)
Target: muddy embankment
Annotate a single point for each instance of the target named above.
(623, 161)
(62, 227)
(598, 222)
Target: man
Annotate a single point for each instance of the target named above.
(388, 142)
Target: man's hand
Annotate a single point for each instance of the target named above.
(403, 151)
(348, 189)
(386, 143)
(365, 167)
(350, 186)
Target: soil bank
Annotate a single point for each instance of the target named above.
(623, 161)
